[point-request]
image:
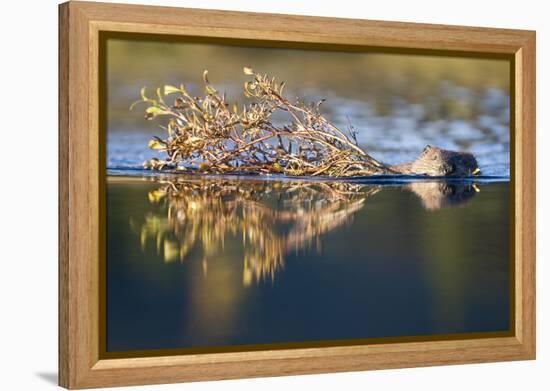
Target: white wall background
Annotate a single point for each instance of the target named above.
(28, 218)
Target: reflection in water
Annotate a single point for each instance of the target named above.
(197, 262)
(202, 212)
(437, 195)
(273, 218)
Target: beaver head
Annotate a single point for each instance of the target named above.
(435, 161)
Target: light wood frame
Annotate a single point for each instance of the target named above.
(80, 187)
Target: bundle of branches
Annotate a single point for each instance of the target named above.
(206, 134)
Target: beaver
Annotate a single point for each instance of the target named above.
(437, 162)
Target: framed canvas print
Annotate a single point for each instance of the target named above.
(248, 195)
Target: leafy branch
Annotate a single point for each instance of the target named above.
(207, 134)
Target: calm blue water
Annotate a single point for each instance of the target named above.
(197, 262)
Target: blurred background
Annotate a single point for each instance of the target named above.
(398, 103)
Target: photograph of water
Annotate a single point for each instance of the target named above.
(279, 249)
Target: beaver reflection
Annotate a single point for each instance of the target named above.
(273, 218)
(436, 195)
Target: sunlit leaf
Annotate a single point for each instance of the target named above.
(154, 110)
(168, 89)
(155, 144)
(210, 89)
(277, 167)
(159, 95)
(205, 76)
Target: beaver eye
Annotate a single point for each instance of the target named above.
(450, 168)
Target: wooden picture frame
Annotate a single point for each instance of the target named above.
(80, 186)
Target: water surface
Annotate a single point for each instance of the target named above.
(397, 103)
(196, 262)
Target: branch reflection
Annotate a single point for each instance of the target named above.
(271, 218)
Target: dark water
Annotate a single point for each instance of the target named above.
(198, 262)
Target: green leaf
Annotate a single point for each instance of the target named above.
(159, 95)
(211, 90)
(155, 110)
(155, 144)
(168, 89)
